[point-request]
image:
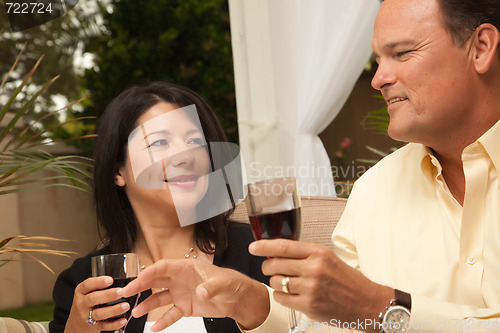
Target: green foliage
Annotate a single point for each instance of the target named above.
(60, 40)
(377, 121)
(21, 149)
(23, 154)
(187, 42)
(377, 152)
(35, 312)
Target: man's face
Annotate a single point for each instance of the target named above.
(422, 75)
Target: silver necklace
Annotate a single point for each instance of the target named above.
(191, 251)
(190, 254)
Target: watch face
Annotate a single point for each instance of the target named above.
(396, 320)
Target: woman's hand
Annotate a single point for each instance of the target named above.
(88, 295)
(198, 289)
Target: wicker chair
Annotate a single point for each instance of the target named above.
(319, 217)
(11, 325)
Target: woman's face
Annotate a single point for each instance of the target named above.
(168, 163)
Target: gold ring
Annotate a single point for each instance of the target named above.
(284, 284)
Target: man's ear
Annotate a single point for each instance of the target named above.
(119, 178)
(485, 46)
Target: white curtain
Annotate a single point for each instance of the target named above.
(295, 63)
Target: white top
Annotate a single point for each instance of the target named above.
(185, 324)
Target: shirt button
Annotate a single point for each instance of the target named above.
(471, 260)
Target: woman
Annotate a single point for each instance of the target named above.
(152, 174)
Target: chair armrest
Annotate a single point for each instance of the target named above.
(11, 325)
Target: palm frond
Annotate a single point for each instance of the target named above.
(28, 246)
(22, 157)
(20, 88)
(377, 152)
(16, 166)
(5, 241)
(41, 133)
(13, 66)
(377, 120)
(18, 138)
(39, 121)
(19, 157)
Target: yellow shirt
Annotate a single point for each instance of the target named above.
(403, 228)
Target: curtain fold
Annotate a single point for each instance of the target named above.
(296, 62)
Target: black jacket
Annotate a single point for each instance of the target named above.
(236, 256)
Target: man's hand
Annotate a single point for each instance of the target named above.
(197, 289)
(321, 285)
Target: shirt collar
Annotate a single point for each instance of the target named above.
(431, 168)
(491, 143)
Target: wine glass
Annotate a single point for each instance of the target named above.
(274, 210)
(123, 268)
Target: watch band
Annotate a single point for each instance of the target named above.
(403, 298)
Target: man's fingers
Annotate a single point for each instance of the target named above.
(152, 302)
(141, 283)
(295, 302)
(155, 276)
(211, 289)
(293, 284)
(170, 317)
(283, 248)
(287, 267)
(220, 288)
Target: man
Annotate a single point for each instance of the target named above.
(417, 247)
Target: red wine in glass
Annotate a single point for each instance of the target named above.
(123, 268)
(283, 224)
(273, 208)
(132, 300)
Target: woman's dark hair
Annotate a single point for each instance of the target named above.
(113, 209)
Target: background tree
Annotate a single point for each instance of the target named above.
(187, 42)
(61, 43)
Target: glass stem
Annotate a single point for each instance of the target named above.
(293, 322)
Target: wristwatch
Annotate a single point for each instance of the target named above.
(396, 317)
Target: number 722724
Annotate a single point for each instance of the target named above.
(28, 8)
